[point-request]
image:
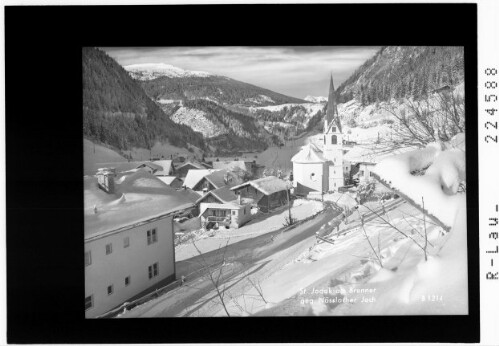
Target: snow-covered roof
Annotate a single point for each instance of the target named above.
(308, 154)
(230, 206)
(119, 166)
(138, 197)
(151, 165)
(218, 178)
(194, 176)
(166, 166)
(223, 194)
(267, 185)
(167, 179)
(196, 165)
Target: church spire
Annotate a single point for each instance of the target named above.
(332, 110)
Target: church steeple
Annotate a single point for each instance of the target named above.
(332, 109)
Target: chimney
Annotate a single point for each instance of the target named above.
(239, 198)
(105, 179)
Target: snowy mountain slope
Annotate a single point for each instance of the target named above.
(299, 115)
(198, 121)
(316, 99)
(145, 72)
(163, 81)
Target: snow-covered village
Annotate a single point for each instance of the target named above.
(208, 196)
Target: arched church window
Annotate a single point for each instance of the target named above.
(334, 140)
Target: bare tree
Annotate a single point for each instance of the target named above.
(214, 278)
(376, 254)
(435, 118)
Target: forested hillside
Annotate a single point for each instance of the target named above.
(117, 111)
(238, 132)
(404, 72)
(198, 85)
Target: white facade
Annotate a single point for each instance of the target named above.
(365, 172)
(310, 177)
(130, 257)
(333, 152)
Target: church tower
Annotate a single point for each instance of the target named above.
(333, 142)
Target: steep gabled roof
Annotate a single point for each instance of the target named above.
(223, 195)
(266, 185)
(151, 165)
(218, 178)
(196, 165)
(167, 179)
(308, 154)
(166, 166)
(119, 166)
(194, 176)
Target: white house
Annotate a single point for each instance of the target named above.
(232, 214)
(322, 171)
(363, 159)
(128, 240)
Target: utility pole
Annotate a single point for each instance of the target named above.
(289, 207)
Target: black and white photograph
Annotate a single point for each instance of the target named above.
(207, 172)
(237, 181)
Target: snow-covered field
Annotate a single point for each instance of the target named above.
(437, 187)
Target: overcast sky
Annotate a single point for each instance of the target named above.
(294, 71)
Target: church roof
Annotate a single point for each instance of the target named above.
(332, 110)
(308, 154)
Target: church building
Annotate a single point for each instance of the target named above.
(316, 170)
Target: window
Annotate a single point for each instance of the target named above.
(334, 139)
(333, 129)
(88, 258)
(110, 290)
(324, 139)
(89, 302)
(370, 174)
(109, 248)
(153, 270)
(126, 242)
(361, 173)
(152, 236)
(234, 212)
(127, 280)
(334, 184)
